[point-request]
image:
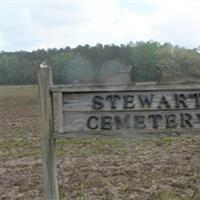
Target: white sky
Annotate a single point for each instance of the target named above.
(29, 25)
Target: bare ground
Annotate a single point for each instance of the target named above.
(163, 168)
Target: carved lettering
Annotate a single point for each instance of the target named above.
(106, 122)
(127, 111)
(92, 122)
(113, 100)
(171, 121)
(145, 100)
(97, 102)
(122, 122)
(155, 120)
(128, 101)
(196, 96)
(139, 121)
(180, 101)
(163, 101)
(186, 120)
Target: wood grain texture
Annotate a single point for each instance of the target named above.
(173, 106)
(126, 134)
(79, 114)
(47, 137)
(78, 102)
(146, 86)
(60, 111)
(74, 122)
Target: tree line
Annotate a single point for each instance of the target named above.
(83, 62)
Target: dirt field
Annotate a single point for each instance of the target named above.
(165, 168)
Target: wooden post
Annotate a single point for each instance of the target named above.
(60, 112)
(47, 138)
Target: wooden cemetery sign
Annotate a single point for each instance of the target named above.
(112, 106)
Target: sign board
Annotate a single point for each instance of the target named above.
(116, 110)
(120, 111)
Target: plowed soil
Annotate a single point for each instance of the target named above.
(161, 168)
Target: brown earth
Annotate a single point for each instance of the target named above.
(163, 168)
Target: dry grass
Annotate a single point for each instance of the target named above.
(165, 168)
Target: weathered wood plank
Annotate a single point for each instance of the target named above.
(133, 121)
(131, 101)
(99, 110)
(47, 137)
(147, 86)
(60, 112)
(124, 134)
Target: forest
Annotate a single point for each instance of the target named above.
(85, 61)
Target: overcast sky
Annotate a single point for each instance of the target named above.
(29, 25)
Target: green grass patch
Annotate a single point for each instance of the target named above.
(90, 146)
(19, 147)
